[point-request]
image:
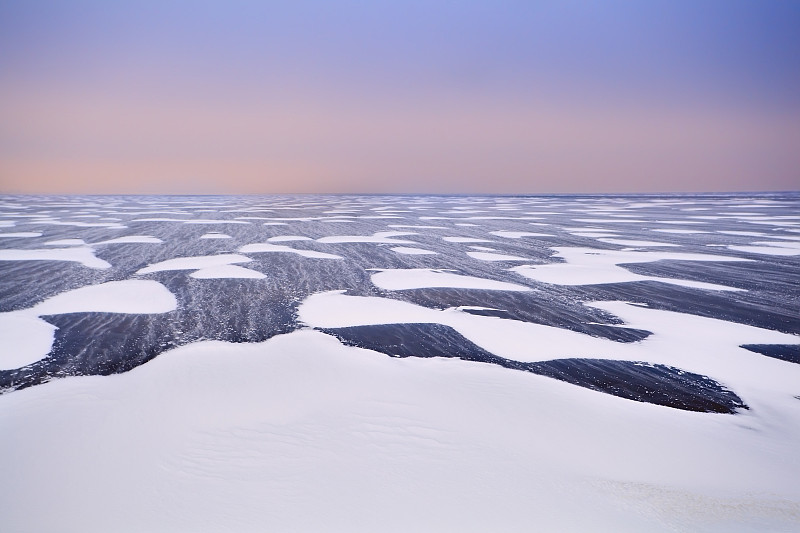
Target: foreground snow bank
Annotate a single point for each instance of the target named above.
(301, 433)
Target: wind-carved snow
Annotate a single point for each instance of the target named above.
(637, 244)
(681, 231)
(52, 222)
(128, 296)
(464, 240)
(592, 234)
(266, 247)
(489, 256)
(26, 338)
(513, 339)
(419, 278)
(769, 248)
(589, 266)
(287, 238)
(518, 234)
(226, 272)
(20, 234)
(66, 242)
(708, 346)
(231, 424)
(206, 266)
(133, 239)
(214, 235)
(245, 433)
(406, 250)
(199, 221)
(380, 237)
(77, 254)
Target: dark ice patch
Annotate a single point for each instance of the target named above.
(784, 352)
(642, 382)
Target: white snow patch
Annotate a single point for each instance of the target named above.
(265, 247)
(680, 231)
(381, 237)
(412, 251)
(194, 263)
(25, 338)
(215, 236)
(642, 244)
(20, 234)
(82, 255)
(66, 242)
(226, 272)
(127, 296)
(488, 256)
(287, 238)
(774, 248)
(589, 266)
(745, 233)
(592, 234)
(518, 234)
(420, 278)
(133, 239)
(464, 239)
(190, 220)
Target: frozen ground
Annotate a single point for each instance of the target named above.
(359, 363)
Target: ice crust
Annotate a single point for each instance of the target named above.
(302, 433)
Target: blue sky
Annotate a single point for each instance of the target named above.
(407, 96)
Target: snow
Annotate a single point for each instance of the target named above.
(412, 251)
(127, 296)
(744, 233)
(82, 255)
(265, 247)
(380, 237)
(592, 235)
(464, 239)
(465, 446)
(681, 231)
(133, 239)
(643, 244)
(20, 234)
(419, 278)
(287, 238)
(190, 221)
(766, 250)
(302, 433)
(518, 234)
(25, 338)
(415, 227)
(215, 236)
(66, 242)
(226, 272)
(770, 248)
(245, 437)
(488, 256)
(589, 266)
(194, 263)
(52, 222)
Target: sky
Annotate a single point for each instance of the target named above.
(433, 96)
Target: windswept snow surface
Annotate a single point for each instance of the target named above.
(180, 379)
(26, 338)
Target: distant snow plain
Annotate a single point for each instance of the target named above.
(161, 377)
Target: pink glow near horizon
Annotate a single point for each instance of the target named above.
(114, 116)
